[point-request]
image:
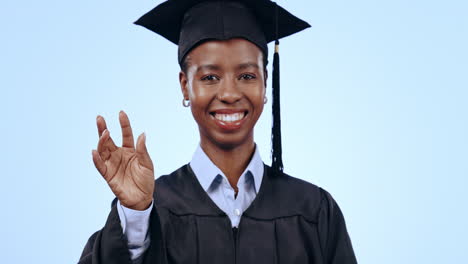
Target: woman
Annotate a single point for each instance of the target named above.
(226, 205)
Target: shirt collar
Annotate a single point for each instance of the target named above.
(206, 171)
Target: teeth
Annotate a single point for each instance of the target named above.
(229, 117)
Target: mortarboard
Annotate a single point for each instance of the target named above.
(187, 23)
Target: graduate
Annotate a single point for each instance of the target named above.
(226, 205)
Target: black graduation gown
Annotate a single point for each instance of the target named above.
(289, 221)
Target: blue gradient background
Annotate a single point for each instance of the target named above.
(374, 107)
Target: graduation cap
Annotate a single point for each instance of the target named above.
(188, 23)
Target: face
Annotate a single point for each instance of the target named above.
(225, 83)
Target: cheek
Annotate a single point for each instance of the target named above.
(257, 95)
(200, 93)
(198, 113)
(200, 96)
(200, 99)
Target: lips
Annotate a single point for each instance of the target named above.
(229, 119)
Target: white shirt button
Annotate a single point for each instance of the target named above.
(237, 212)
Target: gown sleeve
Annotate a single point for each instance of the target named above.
(108, 245)
(335, 242)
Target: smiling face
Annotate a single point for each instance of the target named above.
(225, 83)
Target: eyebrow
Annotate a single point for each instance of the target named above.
(246, 65)
(212, 67)
(215, 67)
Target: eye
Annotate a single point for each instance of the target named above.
(210, 77)
(247, 76)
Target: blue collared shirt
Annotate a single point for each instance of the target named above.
(135, 223)
(217, 186)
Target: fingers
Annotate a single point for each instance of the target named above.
(106, 145)
(101, 125)
(127, 134)
(99, 163)
(142, 153)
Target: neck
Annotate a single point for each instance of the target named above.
(223, 159)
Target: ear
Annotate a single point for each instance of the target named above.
(183, 81)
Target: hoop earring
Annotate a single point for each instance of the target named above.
(185, 103)
(265, 100)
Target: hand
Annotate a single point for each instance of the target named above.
(128, 171)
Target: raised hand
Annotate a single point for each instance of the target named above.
(128, 171)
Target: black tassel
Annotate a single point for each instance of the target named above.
(277, 160)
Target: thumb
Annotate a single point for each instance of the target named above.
(142, 153)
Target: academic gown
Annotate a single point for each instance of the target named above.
(290, 221)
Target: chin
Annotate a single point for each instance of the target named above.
(229, 141)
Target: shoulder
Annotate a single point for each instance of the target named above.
(181, 193)
(176, 179)
(172, 186)
(296, 187)
(284, 195)
(303, 191)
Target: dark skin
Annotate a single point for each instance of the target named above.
(225, 82)
(128, 169)
(226, 75)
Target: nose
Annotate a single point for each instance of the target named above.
(229, 92)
